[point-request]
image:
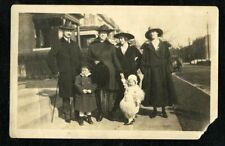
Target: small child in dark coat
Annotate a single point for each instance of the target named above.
(85, 97)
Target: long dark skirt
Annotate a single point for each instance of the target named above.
(107, 100)
(158, 87)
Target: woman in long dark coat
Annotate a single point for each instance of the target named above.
(129, 57)
(102, 51)
(156, 67)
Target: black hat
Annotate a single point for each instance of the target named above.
(67, 26)
(104, 28)
(158, 30)
(123, 34)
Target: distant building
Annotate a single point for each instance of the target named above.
(199, 50)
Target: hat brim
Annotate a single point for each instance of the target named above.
(105, 30)
(158, 30)
(126, 35)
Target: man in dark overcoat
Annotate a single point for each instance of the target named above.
(156, 67)
(64, 60)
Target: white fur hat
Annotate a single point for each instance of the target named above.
(132, 77)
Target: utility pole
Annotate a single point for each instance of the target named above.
(208, 42)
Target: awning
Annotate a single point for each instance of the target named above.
(72, 17)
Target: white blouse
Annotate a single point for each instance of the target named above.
(124, 48)
(155, 43)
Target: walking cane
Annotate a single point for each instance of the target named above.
(56, 94)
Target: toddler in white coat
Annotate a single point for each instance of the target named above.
(131, 101)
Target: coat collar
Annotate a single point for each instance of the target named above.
(151, 47)
(97, 40)
(82, 75)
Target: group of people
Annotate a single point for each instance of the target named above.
(107, 80)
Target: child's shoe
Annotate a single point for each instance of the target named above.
(81, 121)
(164, 114)
(89, 120)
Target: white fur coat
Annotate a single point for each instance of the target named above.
(131, 101)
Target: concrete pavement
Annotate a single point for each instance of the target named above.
(192, 111)
(143, 122)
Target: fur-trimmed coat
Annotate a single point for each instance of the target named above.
(131, 101)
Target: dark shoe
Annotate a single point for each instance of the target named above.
(81, 121)
(111, 117)
(99, 117)
(164, 114)
(76, 115)
(67, 119)
(153, 114)
(89, 120)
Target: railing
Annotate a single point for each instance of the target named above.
(33, 66)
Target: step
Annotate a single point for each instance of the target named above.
(30, 96)
(27, 92)
(21, 86)
(31, 113)
(40, 103)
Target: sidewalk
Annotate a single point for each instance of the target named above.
(46, 88)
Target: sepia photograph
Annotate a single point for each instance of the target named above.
(113, 72)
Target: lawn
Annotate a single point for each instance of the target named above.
(196, 74)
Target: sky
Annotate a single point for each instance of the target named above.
(180, 24)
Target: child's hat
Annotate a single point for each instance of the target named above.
(132, 77)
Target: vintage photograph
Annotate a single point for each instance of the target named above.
(113, 72)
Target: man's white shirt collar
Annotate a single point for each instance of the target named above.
(67, 39)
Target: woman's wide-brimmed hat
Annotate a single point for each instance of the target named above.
(123, 34)
(150, 29)
(67, 26)
(104, 28)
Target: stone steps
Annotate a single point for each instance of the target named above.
(33, 109)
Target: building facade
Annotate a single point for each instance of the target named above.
(38, 32)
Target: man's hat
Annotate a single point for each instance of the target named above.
(123, 34)
(67, 26)
(104, 28)
(158, 30)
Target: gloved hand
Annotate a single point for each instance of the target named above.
(85, 91)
